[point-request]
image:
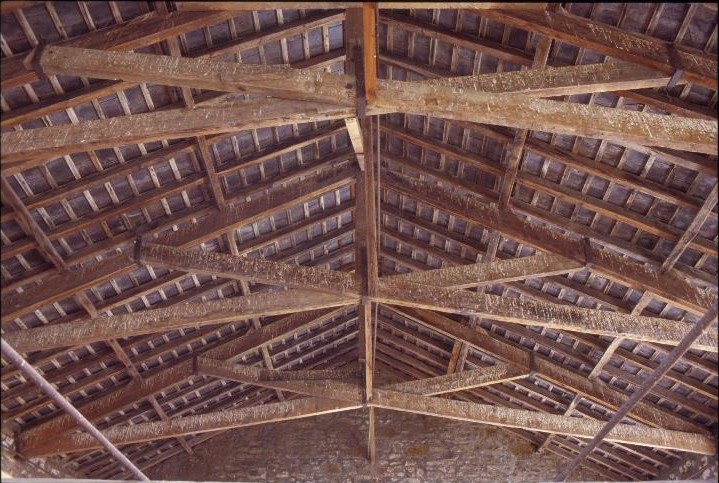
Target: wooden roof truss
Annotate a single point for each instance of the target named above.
(219, 215)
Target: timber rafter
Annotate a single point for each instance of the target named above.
(528, 233)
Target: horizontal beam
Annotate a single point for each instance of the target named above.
(32, 440)
(328, 388)
(281, 81)
(171, 318)
(617, 125)
(542, 422)
(57, 287)
(201, 423)
(541, 314)
(523, 359)
(500, 271)
(459, 381)
(63, 139)
(558, 81)
(242, 268)
(667, 286)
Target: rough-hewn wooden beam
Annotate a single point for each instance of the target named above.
(669, 286)
(39, 435)
(459, 381)
(560, 81)
(543, 422)
(281, 81)
(524, 360)
(355, 133)
(555, 316)
(105, 88)
(161, 320)
(65, 285)
(202, 423)
(499, 271)
(328, 388)
(139, 32)
(618, 125)
(179, 123)
(699, 67)
(242, 268)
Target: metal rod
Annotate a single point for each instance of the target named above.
(646, 386)
(13, 356)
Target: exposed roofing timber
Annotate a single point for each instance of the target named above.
(570, 223)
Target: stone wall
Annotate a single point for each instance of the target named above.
(329, 448)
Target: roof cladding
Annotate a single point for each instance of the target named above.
(75, 218)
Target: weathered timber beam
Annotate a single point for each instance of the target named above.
(139, 32)
(202, 423)
(243, 268)
(559, 81)
(500, 271)
(669, 286)
(281, 81)
(542, 422)
(245, 6)
(542, 314)
(617, 125)
(161, 320)
(328, 388)
(65, 285)
(250, 41)
(227, 351)
(460, 381)
(524, 359)
(173, 124)
(699, 67)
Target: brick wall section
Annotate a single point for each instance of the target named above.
(410, 448)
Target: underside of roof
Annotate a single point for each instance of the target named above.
(185, 228)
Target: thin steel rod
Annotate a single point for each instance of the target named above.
(17, 360)
(646, 386)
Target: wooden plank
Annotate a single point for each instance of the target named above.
(542, 314)
(281, 81)
(150, 321)
(548, 369)
(560, 81)
(699, 67)
(201, 423)
(227, 351)
(460, 381)
(178, 123)
(242, 268)
(669, 286)
(542, 422)
(327, 388)
(500, 271)
(617, 125)
(139, 32)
